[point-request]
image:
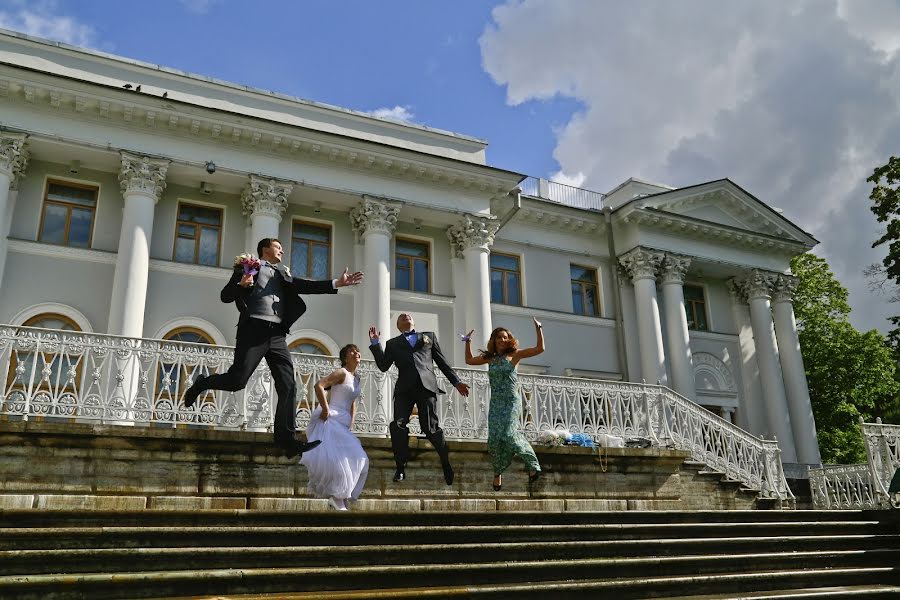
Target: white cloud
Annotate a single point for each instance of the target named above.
(40, 19)
(795, 100)
(397, 113)
(575, 180)
(199, 7)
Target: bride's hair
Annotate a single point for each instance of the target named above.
(491, 351)
(342, 355)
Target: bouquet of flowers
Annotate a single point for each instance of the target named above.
(248, 262)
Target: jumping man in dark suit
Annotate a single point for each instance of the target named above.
(415, 355)
(268, 306)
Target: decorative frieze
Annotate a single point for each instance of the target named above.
(472, 232)
(374, 216)
(641, 263)
(264, 196)
(13, 155)
(674, 267)
(784, 287)
(143, 175)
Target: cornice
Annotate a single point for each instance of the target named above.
(63, 252)
(177, 268)
(551, 315)
(585, 222)
(714, 232)
(149, 113)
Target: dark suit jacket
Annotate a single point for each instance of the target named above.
(414, 364)
(293, 286)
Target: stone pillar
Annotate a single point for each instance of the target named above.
(13, 159)
(757, 287)
(727, 413)
(264, 201)
(142, 180)
(641, 265)
(475, 236)
(460, 293)
(751, 415)
(360, 335)
(678, 351)
(374, 222)
(795, 386)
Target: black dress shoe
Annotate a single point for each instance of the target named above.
(296, 448)
(448, 472)
(400, 474)
(193, 392)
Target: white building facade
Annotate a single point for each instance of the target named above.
(121, 212)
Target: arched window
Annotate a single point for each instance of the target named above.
(171, 377)
(52, 321)
(309, 346)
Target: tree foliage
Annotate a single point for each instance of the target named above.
(850, 374)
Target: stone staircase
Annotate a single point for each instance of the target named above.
(329, 555)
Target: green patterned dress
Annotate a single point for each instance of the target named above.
(504, 415)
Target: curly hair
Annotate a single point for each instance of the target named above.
(342, 355)
(491, 351)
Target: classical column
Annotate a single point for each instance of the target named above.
(727, 413)
(673, 270)
(750, 416)
(142, 180)
(374, 222)
(757, 287)
(641, 265)
(475, 236)
(13, 159)
(264, 201)
(458, 274)
(795, 386)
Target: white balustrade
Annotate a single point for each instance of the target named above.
(73, 376)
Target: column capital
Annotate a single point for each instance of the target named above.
(674, 267)
(783, 288)
(472, 232)
(13, 155)
(641, 263)
(738, 295)
(143, 175)
(374, 216)
(265, 196)
(758, 284)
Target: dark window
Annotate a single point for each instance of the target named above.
(695, 307)
(311, 250)
(412, 263)
(585, 299)
(198, 234)
(506, 279)
(68, 216)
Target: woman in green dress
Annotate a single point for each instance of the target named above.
(505, 412)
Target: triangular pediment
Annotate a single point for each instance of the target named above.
(726, 204)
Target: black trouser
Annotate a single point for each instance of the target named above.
(257, 339)
(428, 420)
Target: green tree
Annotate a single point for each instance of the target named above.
(850, 374)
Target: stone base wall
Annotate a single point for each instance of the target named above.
(69, 466)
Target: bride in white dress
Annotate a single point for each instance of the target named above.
(339, 466)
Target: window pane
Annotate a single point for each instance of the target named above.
(72, 195)
(184, 250)
(497, 286)
(409, 248)
(51, 323)
(512, 289)
(402, 277)
(54, 229)
(693, 292)
(309, 348)
(577, 303)
(502, 261)
(581, 273)
(209, 246)
(305, 231)
(421, 275)
(590, 300)
(200, 214)
(320, 262)
(701, 324)
(80, 227)
(299, 259)
(188, 231)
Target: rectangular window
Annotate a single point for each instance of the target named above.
(584, 291)
(198, 234)
(68, 216)
(695, 307)
(506, 279)
(311, 250)
(412, 263)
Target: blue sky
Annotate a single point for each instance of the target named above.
(796, 101)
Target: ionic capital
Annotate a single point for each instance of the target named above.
(143, 175)
(268, 197)
(472, 232)
(783, 288)
(13, 155)
(641, 263)
(374, 216)
(674, 267)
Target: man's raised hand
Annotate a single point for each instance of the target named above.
(373, 334)
(348, 278)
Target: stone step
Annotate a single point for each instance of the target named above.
(336, 535)
(588, 578)
(117, 560)
(824, 593)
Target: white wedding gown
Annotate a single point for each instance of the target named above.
(338, 466)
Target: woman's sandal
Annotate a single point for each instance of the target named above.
(498, 486)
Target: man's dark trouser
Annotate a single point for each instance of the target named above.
(257, 339)
(428, 420)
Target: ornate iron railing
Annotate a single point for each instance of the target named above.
(862, 485)
(86, 377)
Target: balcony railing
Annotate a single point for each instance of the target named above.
(562, 193)
(85, 377)
(863, 485)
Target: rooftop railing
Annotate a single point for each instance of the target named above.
(562, 193)
(85, 377)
